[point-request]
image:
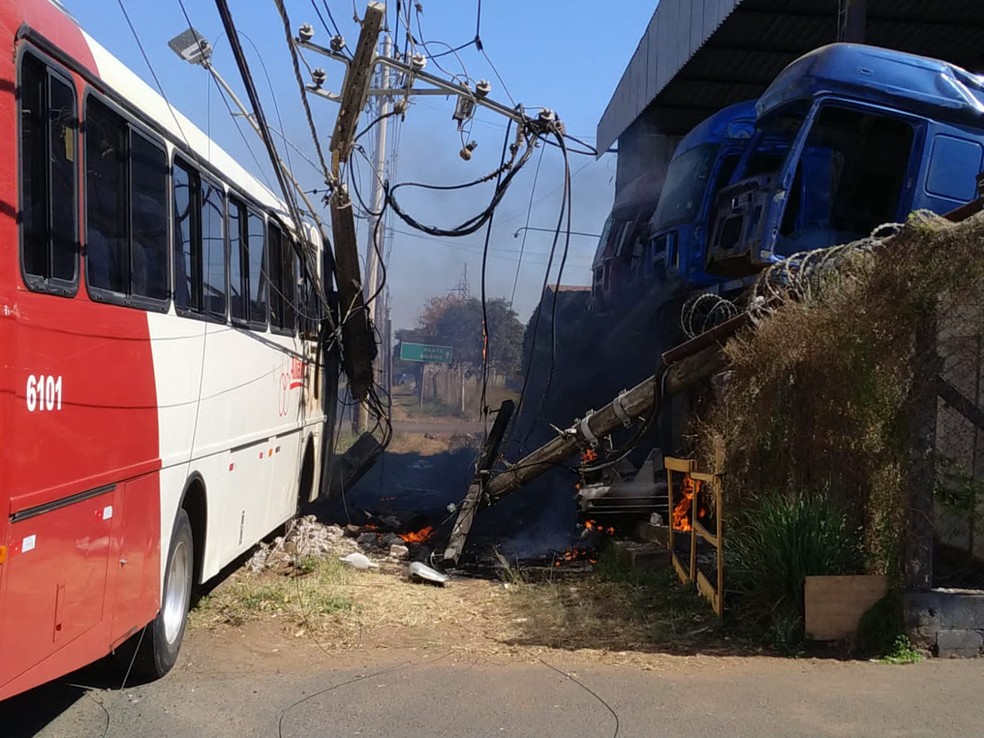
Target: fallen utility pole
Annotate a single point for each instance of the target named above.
(685, 366)
(358, 341)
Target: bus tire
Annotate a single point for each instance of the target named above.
(162, 640)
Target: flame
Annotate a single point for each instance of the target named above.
(680, 520)
(589, 455)
(417, 536)
(593, 525)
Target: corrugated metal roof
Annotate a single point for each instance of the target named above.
(698, 56)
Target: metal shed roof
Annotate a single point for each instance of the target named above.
(697, 56)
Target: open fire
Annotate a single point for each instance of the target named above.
(417, 536)
(573, 554)
(682, 515)
(596, 526)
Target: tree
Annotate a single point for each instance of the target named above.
(453, 321)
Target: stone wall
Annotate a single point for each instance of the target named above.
(947, 622)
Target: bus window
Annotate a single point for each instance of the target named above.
(275, 262)
(49, 143)
(257, 272)
(107, 255)
(290, 286)
(187, 238)
(126, 210)
(238, 266)
(213, 249)
(148, 177)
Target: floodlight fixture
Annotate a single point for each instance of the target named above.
(192, 47)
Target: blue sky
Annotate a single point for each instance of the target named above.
(567, 56)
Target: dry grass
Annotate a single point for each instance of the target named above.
(418, 443)
(606, 612)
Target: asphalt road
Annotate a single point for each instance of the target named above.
(432, 695)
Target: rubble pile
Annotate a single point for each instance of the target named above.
(307, 538)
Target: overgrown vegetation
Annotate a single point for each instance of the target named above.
(835, 389)
(902, 652)
(777, 541)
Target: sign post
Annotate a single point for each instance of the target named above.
(425, 354)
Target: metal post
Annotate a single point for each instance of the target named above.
(374, 250)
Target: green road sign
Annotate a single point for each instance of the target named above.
(427, 354)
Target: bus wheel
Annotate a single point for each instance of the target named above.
(162, 641)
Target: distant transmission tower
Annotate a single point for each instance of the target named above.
(463, 291)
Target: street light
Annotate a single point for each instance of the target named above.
(554, 230)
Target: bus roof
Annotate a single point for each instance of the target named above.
(733, 122)
(934, 88)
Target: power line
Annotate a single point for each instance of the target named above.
(301, 89)
(529, 212)
(254, 98)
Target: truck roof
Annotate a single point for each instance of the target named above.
(934, 88)
(733, 122)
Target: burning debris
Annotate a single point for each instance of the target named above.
(681, 516)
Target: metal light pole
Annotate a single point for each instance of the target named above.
(374, 249)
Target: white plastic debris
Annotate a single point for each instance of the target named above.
(359, 561)
(418, 571)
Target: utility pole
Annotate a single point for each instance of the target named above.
(377, 233)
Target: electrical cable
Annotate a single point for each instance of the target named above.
(529, 212)
(157, 81)
(564, 210)
(486, 332)
(331, 17)
(281, 8)
(471, 225)
(247, 78)
(450, 50)
(587, 689)
(354, 680)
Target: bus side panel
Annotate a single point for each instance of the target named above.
(177, 345)
(133, 575)
(56, 581)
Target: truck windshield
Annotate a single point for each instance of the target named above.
(686, 182)
(849, 177)
(774, 140)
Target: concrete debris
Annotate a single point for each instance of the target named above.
(399, 551)
(366, 539)
(305, 537)
(352, 531)
(389, 540)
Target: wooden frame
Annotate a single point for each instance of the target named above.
(713, 592)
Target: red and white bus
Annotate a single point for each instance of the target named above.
(158, 382)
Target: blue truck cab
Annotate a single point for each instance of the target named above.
(702, 163)
(618, 269)
(848, 137)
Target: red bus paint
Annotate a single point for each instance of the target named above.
(64, 597)
(85, 519)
